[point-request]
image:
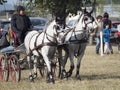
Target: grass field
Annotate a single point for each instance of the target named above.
(97, 73)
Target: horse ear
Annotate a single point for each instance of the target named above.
(85, 11)
(92, 10)
(93, 6)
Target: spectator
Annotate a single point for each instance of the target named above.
(106, 20)
(106, 38)
(20, 24)
(97, 32)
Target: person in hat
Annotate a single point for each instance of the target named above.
(20, 24)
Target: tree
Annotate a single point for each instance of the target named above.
(3, 1)
(61, 8)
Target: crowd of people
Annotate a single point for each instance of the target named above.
(104, 26)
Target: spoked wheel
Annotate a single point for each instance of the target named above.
(14, 67)
(55, 69)
(42, 68)
(55, 65)
(4, 71)
(43, 71)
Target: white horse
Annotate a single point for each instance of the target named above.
(74, 43)
(42, 45)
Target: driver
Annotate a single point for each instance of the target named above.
(20, 24)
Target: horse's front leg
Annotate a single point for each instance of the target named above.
(77, 76)
(71, 55)
(62, 60)
(50, 78)
(79, 58)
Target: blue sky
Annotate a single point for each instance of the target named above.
(12, 2)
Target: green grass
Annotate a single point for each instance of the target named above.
(97, 73)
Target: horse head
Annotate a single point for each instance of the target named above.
(53, 31)
(86, 22)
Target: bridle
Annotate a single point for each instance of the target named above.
(58, 29)
(85, 30)
(49, 43)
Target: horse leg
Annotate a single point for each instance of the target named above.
(59, 49)
(79, 58)
(62, 60)
(50, 78)
(30, 68)
(35, 67)
(71, 55)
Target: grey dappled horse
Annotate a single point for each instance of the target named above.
(74, 43)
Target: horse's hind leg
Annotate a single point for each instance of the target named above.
(30, 68)
(35, 66)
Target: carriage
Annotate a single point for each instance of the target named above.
(42, 48)
(11, 64)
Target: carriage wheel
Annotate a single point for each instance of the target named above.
(55, 65)
(4, 71)
(43, 71)
(55, 69)
(14, 66)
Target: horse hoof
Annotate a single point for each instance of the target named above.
(35, 75)
(51, 81)
(63, 75)
(77, 77)
(31, 78)
(69, 74)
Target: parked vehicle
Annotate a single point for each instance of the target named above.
(114, 27)
(4, 24)
(38, 23)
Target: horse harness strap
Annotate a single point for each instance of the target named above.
(41, 45)
(35, 44)
(77, 41)
(37, 47)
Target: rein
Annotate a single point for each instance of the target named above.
(83, 34)
(50, 43)
(47, 36)
(40, 46)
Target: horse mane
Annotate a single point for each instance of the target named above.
(48, 23)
